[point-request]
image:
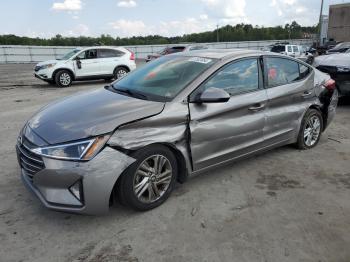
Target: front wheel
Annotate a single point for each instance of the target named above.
(149, 181)
(310, 130)
(63, 78)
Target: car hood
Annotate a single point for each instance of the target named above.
(341, 59)
(48, 62)
(89, 114)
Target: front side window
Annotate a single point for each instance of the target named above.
(281, 71)
(164, 78)
(237, 77)
(295, 49)
(88, 54)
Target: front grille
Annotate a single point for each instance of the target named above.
(31, 163)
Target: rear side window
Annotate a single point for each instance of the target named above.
(237, 77)
(176, 49)
(304, 71)
(278, 48)
(281, 71)
(289, 48)
(106, 53)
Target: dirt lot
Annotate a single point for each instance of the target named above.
(285, 205)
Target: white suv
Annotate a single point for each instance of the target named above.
(86, 64)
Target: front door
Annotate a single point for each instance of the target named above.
(224, 131)
(89, 64)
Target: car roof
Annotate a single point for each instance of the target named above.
(222, 53)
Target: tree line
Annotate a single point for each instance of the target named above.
(239, 32)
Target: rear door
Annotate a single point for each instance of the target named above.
(290, 90)
(224, 131)
(109, 59)
(89, 64)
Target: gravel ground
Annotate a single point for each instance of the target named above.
(284, 205)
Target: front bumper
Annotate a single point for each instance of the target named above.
(98, 177)
(44, 74)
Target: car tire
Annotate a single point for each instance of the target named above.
(63, 78)
(120, 72)
(310, 130)
(144, 190)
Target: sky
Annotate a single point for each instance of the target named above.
(125, 18)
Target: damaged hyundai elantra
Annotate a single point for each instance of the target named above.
(172, 118)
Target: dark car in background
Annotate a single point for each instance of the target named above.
(175, 49)
(337, 65)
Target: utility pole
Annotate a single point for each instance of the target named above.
(217, 33)
(320, 22)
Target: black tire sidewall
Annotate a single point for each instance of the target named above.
(301, 141)
(126, 191)
(115, 72)
(57, 78)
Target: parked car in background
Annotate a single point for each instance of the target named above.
(296, 51)
(172, 118)
(338, 67)
(175, 49)
(100, 62)
(339, 48)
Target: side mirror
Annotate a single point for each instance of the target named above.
(212, 95)
(77, 59)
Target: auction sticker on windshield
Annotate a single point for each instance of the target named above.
(201, 60)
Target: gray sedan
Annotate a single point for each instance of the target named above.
(175, 117)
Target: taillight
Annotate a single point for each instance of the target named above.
(330, 84)
(132, 55)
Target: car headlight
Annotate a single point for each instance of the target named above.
(343, 69)
(82, 150)
(47, 66)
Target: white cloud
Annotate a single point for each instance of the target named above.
(79, 30)
(289, 10)
(127, 28)
(203, 17)
(68, 5)
(130, 27)
(227, 11)
(127, 3)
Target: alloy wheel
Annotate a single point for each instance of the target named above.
(312, 130)
(152, 178)
(65, 79)
(121, 73)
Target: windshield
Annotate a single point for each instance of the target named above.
(69, 54)
(162, 79)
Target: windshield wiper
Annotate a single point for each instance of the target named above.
(129, 92)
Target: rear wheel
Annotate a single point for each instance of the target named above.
(63, 78)
(149, 181)
(310, 130)
(120, 72)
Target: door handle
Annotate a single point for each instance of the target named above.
(257, 107)
(307, 93)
